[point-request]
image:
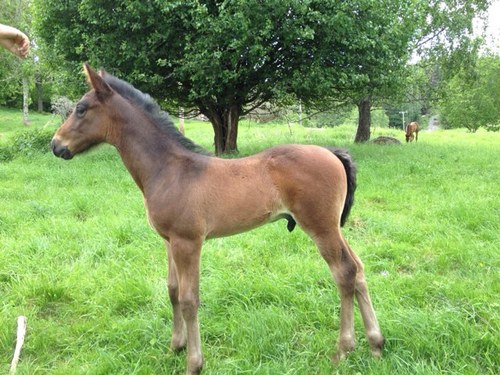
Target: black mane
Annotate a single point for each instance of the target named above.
(159, 117)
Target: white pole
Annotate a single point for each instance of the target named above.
(403, 113)
(300, 112)
(21, 333)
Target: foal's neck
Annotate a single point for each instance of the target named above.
(146, 150)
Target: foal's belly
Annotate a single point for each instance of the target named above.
(236, 223)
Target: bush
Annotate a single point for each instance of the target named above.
(493, 128)
(32, 141)
(6, 153)
(62, 106)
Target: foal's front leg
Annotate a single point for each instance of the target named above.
(186, 257)
(178, 330)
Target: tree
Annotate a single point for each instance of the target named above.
(439, 31)
(473, 100)
(225, 58)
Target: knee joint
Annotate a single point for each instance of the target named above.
(189, 306)
(173, 292)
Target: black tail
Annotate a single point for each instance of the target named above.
(350, 170)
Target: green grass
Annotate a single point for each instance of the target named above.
(78, 258)
(11, 122)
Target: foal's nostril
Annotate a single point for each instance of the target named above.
(53, 147)
(56, 149)
(61, 151)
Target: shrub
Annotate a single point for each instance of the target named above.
(6, 153)
(62, 106)
(32, 141)
(493, 128)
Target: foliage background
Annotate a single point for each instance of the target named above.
(473, 100)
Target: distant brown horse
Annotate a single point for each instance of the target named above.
(191, 196)
(412, 128)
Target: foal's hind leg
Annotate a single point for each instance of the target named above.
(178, 330)
(372, 328)
(343, 268)
(347, 271)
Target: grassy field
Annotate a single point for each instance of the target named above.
(78, 258)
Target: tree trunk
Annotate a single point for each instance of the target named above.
(26, 96)
(364, 121)
(225, 124)
(39, 91)
(233, 118)
(181, 121)
(219, 137)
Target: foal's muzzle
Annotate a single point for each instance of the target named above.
(60, 150)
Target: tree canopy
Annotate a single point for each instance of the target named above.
(472, 99)
(224, 58)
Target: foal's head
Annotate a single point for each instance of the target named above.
(90, 121)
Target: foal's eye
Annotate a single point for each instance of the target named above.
(80, 110)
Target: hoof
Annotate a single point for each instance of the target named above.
(341, 354)
(377, 353)
(194, 365)
(345, 346)
(377, 350)
(338, 357)
(376, 344)
(178, 344)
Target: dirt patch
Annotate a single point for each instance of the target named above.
(384, 140)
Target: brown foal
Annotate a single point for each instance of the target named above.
(191, 196)
(412, 128)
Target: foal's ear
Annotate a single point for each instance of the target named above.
(95, 80)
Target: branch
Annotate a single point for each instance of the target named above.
(254, 106)
(429, 38)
